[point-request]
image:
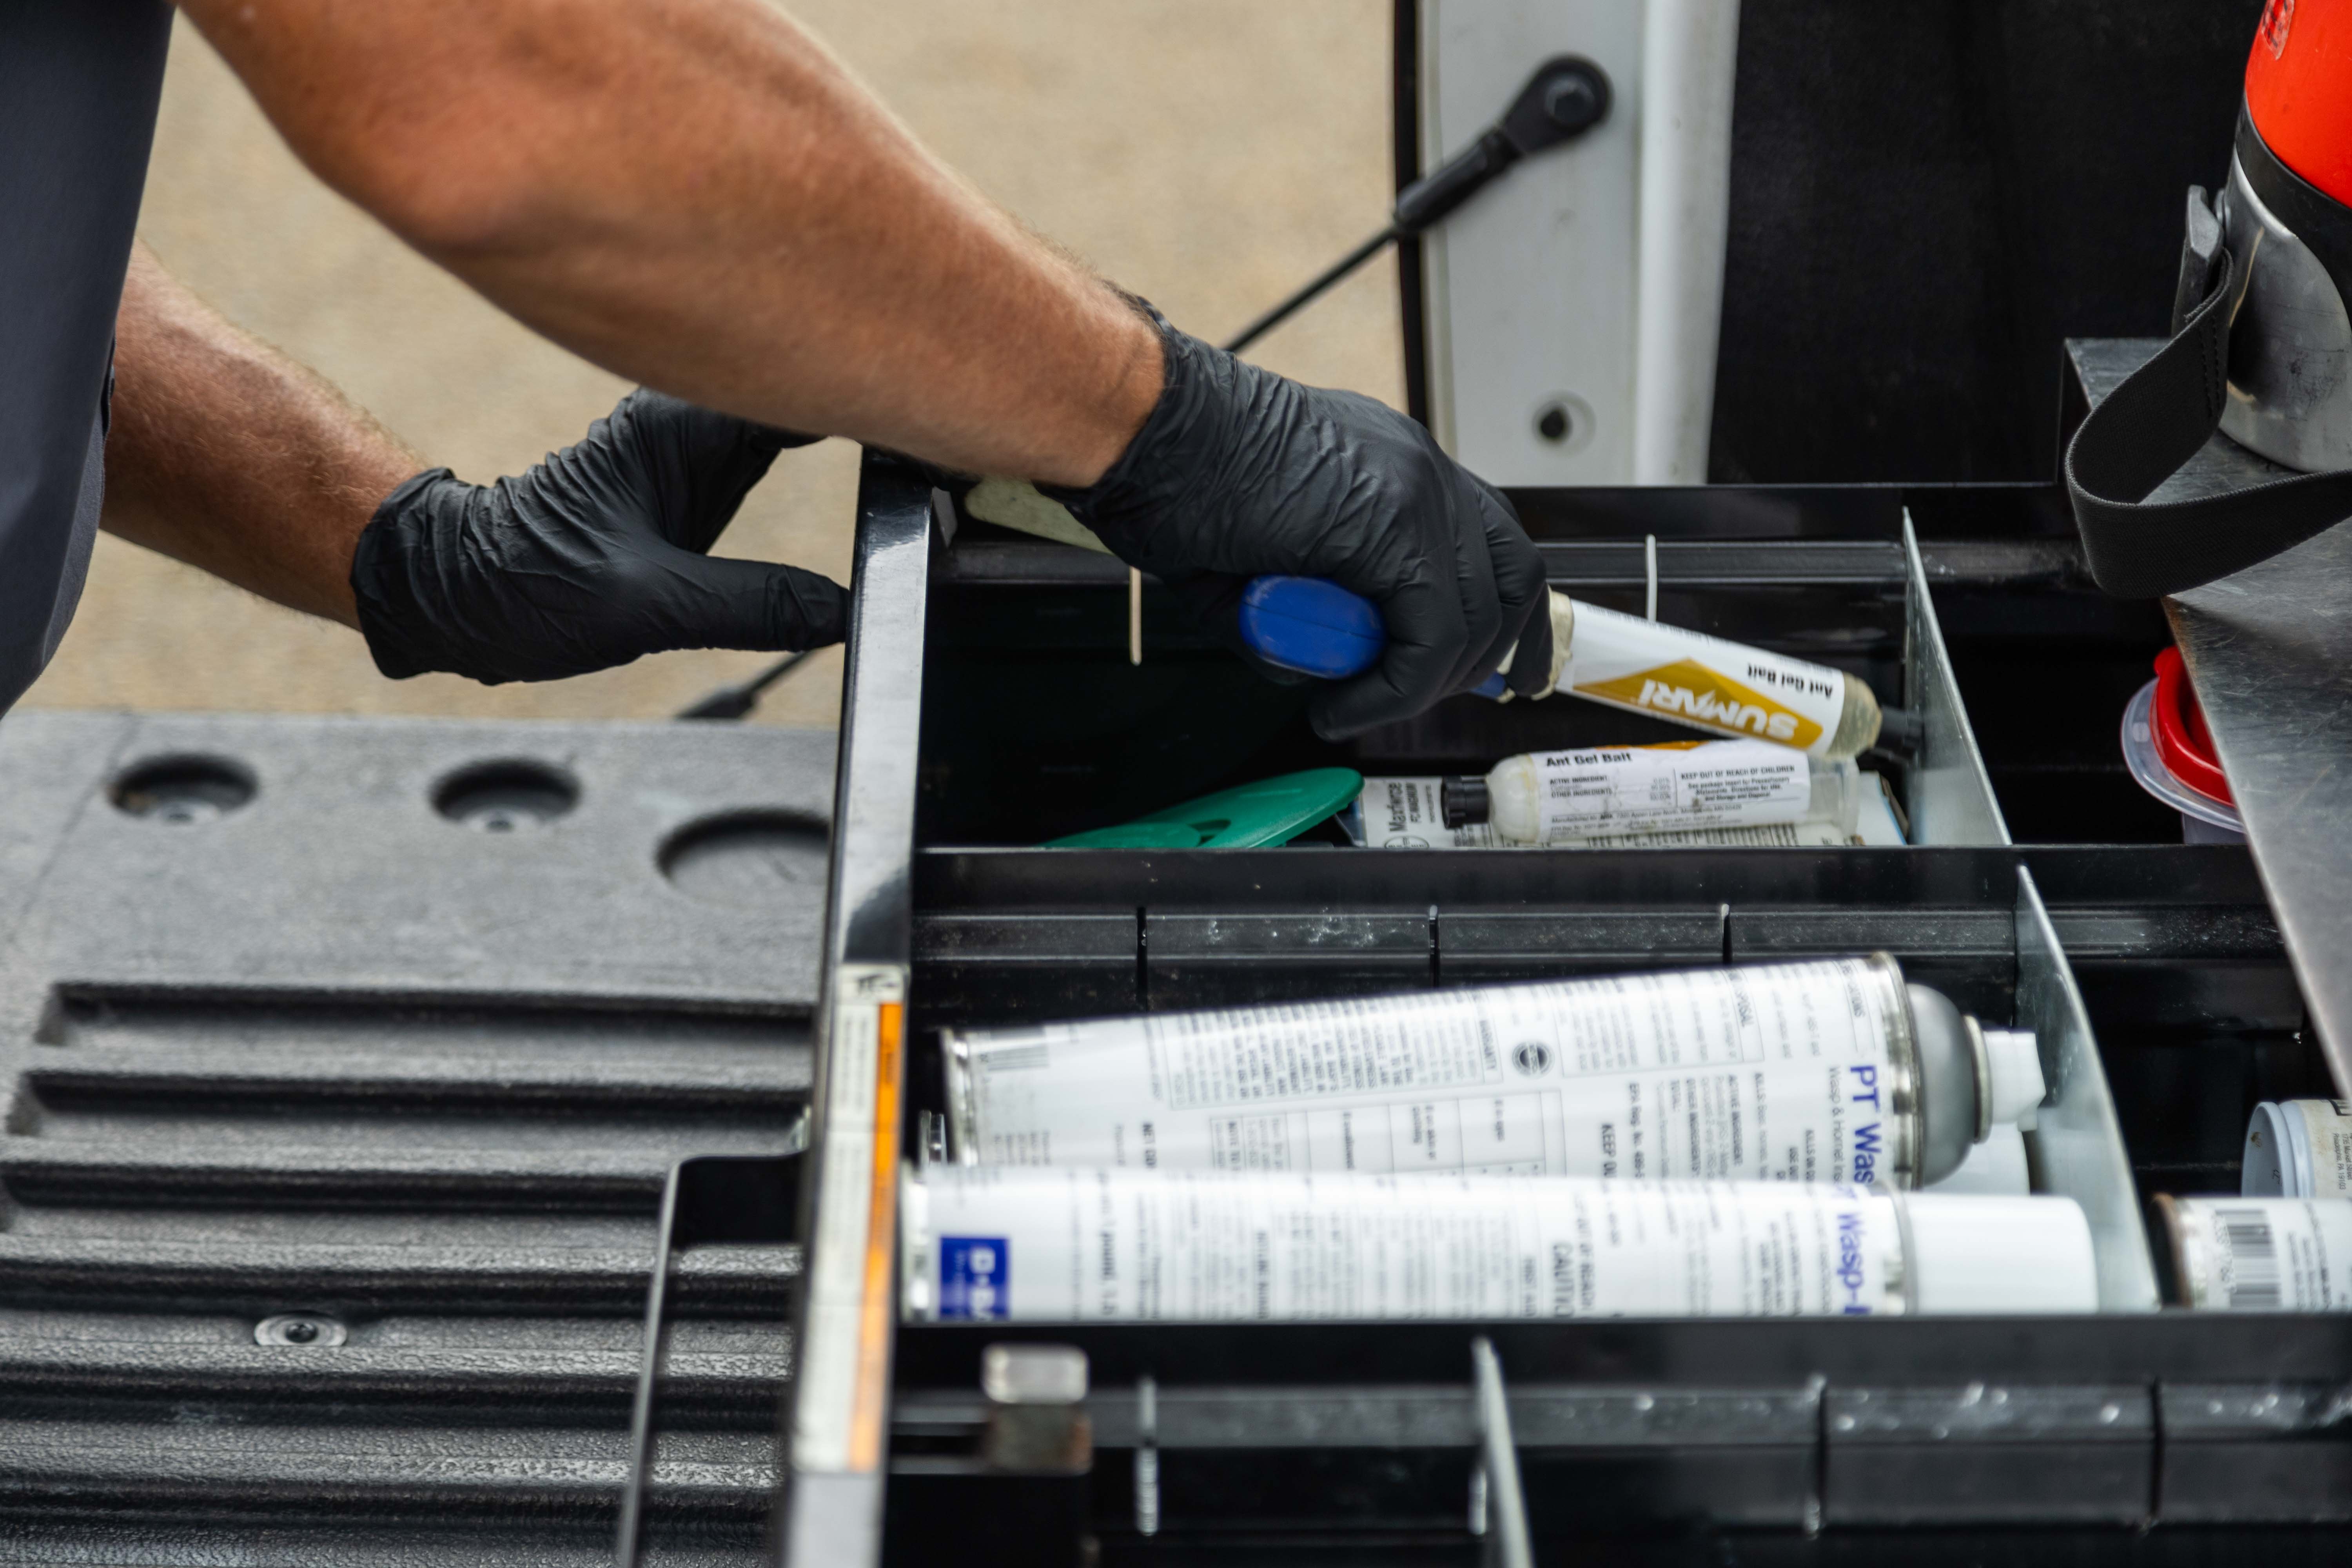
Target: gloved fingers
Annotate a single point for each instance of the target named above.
(1526, 595)
(1428, 639)
(699, 601)
(693, 466)
(1212, 601)
(1488, 632)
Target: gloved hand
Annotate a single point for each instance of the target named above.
(593, 557)
(1238, 471)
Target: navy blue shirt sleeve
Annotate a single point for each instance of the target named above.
(80, 80)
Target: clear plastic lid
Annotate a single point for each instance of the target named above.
(2149, 770)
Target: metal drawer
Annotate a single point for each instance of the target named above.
(1354, 1440)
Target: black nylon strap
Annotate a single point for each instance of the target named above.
(2157, 420)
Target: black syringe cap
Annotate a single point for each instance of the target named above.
(1463, 801)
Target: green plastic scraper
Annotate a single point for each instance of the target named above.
(1271, 811)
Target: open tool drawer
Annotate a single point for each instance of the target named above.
(2150, 974)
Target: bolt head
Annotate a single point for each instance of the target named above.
(299, 1329)
(1571, 103)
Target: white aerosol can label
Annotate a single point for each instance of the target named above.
(2299, 1149)
(1133, 1246)
(1800, 1072)
(2260, 1255)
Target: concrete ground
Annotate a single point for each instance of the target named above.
(1209, 155)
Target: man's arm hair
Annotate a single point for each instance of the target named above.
(697, 196)
(228, 455)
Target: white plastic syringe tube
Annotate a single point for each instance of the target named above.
(1568, 797)
(1707, 682)
(1831, 1070)
(1030, 1246)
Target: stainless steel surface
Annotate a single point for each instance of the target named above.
(2290, 342)
(1948, 795)
(840, 1399)
(2270, 653)
(2007, 563)
(1037, 1421)
(1033, 1375)
(2078, 1145)
(1498, 1464)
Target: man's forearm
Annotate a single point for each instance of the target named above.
(696, 194)
(226, 455)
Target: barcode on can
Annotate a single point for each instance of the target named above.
(1017, 1059)
(2250, 1271)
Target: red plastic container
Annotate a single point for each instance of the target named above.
(2181, 738)
(2171, 754)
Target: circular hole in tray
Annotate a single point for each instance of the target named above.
(182, 789)
(506, 797)
(750, 860)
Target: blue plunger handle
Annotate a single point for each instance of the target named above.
(1317, 628)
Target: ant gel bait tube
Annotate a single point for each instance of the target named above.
(1607, 793)
(1711, 684)
(2299, 1149)
(1410, 813)
(2260, 1255)
(1130, 1245)
(1819, 1071)
(1319, 629)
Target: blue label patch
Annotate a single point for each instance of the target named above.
(975, 1272)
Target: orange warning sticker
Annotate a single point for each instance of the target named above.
(867, 1416)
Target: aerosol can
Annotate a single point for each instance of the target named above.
(2259, 1255)
(1830, 1070)
(1033, 1246)
(1614, 791)
(2298, 1149)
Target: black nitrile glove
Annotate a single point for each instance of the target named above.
(593, 557)
(1239, 472)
